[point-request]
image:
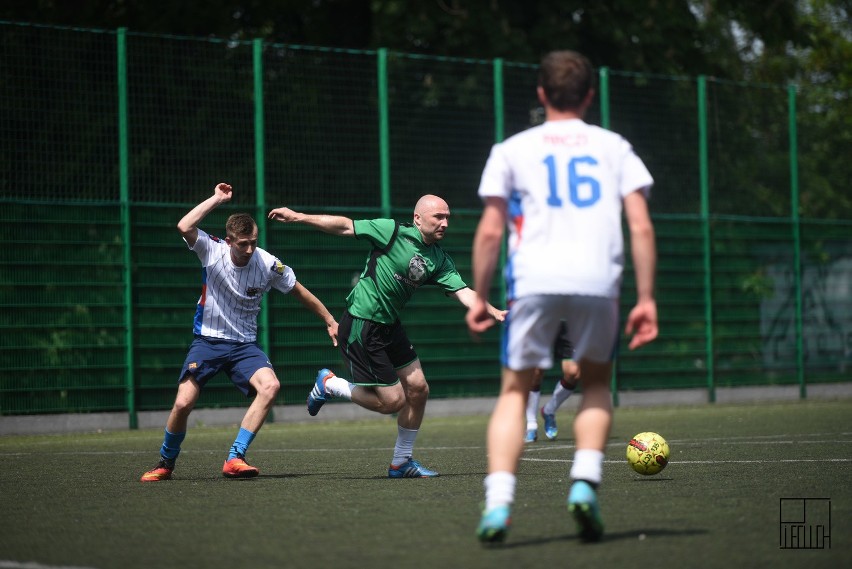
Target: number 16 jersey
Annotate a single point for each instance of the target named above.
(564, 182)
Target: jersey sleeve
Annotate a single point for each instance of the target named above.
(634, 174)
(377, 231)
(497, 175)
(448, 277)
(204, 246)
(283, 277)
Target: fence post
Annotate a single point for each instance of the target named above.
(704, 181)
(127, 252)
(260, 187)
(797, 239)
(603, 84)
(499, 104)
(499, 135)
(384, 130)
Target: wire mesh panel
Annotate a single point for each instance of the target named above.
(826, 303)
(823, 144)
(322, 142)
(522, 108)
(749, 150)
(748, 258)
(678, 358)
(441, 128)
(58, 120)
(62, 333)
(191, 119)
(658, 116)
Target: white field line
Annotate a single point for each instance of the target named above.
(539, 447)
(33, 565)
(705, 462)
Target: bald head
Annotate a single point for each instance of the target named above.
(430, 202)
(431, 217)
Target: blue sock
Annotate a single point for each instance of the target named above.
(171, 445)
(240, 446)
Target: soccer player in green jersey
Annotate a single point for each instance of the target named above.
(385, 373)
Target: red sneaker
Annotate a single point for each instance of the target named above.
(163, 471)
(237, 467)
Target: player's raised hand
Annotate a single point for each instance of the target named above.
(284, 214)
(223, 191)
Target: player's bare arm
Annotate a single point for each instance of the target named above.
(333, 224)
(467, 296)
(642, 319)
(312, 303)
(188, 225)
(486, 251)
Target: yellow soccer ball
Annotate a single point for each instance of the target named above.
(648, 453)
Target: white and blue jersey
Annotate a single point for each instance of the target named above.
(231, 295)
(564, 182)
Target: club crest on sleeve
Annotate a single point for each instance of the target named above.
(278, 267)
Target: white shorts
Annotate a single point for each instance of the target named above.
(532, 325)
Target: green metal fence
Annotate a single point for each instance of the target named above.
(108, 137)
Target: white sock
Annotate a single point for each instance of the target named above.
(560, 395)
(499, 489)
(404, 446)
(339, 387)
(588, 465)
(532, 409)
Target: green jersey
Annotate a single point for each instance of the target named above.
(398, 265)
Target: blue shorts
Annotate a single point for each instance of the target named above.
(239, 361)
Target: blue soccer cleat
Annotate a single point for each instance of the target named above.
(550, 429)
(410, 469)
(317, 397)
(583, 505)
(531, 436)
(494, 525)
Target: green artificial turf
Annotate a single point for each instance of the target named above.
(323, 499)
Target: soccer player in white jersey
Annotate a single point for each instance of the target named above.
(561, 188)
(236, 274)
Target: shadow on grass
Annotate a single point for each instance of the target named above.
(608, 537)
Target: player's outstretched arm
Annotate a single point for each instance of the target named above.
(333, 224)
(312, 303)
(467, 296)
(188, 225)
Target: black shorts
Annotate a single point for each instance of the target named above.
(562, 348)
(374, 351)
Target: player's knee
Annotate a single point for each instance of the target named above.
(417, 392)
(391, 404)
(269, 388)
(183, 406)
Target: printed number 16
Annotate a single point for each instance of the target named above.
(575, 181)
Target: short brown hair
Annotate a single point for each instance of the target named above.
(566, 77)
(240, 224)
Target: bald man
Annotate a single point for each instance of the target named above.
(385, 374)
